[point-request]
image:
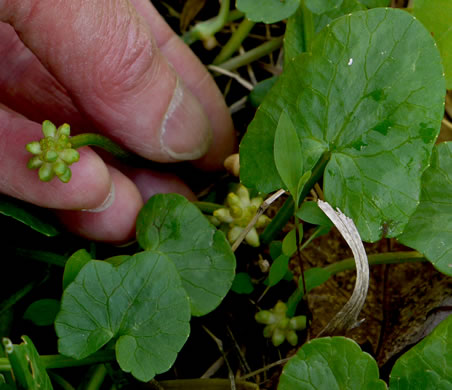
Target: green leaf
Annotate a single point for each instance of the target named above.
(311, 213)
(429, 230)
(346, 7)
(141, 304)
(426, 366)
(322, 6)
(242, 284)
(268, 11)
(29, 371)
(437, 18)
(260, 90)
(278, 270)
(289, 244)
(331, 363)
(32, 216)
(42, 312)
(73, 266)
(376, 3)
(171, 225)
(371, 94)
(287, 152)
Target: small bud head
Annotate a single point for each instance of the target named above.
(223, 215)
(280, 307)
(262, 221)
(268, 331)
(34, 147)
(236, 211)
(34, 162)
(265, 317)
(298, 323)
(233, 200)
(69, 156)
(252, 238)
(292, 338)
(64, 129)
(66, 176)
(60, 168)
(278, 337)
(234, 233)
(46, 172)
(48, 128)
(50, 156)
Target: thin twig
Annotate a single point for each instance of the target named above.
(261, 210)
(235, 76)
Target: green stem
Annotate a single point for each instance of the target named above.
(208, 28)
(208, 207)
(380, 258)
(253, 54)
(60, 361)
(287, 210)
(63, 383)
(235, 41)
(97, 378)
(92, 139)
(308, 27)
(45, 257)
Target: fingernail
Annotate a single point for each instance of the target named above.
(186, 133)
(106, 203)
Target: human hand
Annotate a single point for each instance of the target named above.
(109, 66)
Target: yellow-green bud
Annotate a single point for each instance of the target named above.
(48, 128)
(278, 337)
(265, 317)
(234, 233)
(298, 323)
(46, 172)
(252, 238)
(292, 337)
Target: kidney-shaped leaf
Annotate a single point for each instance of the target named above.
(430, 228)
(141, 303)
(170, 224)
(268, 11)
(331, 363)
(370, 95)
(437, 17)
(426, 366)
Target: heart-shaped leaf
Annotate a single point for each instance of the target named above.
(171, 225)
(331, 363)
(268, 11)
(428, 364)
(370, 95)
(141, 303)
(437, 17)
(430, 228)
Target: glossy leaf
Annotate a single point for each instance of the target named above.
(287, 151)
(32, 216)
(426, 366)
(321, 6)
(268, 11)
(437, 17)
(73, 266)
(260, 90)
(311, 213)
(278, 270)
(430, 228)
(371, 95)
(141, 304)
(171, 225)
(242, 284)
(376, 3)
(346, 7)
(27, 367)
(42, 312)
(331, 363)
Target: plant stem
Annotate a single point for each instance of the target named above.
(380, 258)
(287, 210)
(60, 361)
(208, 207)
(63, 383)
(253, 54)
(308, 27)
(208, 28)
(97, 378)
(45, 257)
(92, 139)
(235, 41)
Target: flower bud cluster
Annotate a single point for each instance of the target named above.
(279, 327)
(53, 154)
(238, 213)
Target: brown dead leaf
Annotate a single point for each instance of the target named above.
(189, 12)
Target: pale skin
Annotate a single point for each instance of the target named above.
(109, 66)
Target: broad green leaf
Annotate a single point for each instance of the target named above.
(322, 6)
(332, 363)
(426, 366)
(32, 216)
(261, 89)
(242, 284)
(171, 225)
(42, 312)
(294, 40)
(430, 228)
(311, 213)
(370, 95)
(278, 270)
(376, 3)
(28, 369)
(268, 11)
(436, 15)
(141, 304)
(287, 151)
(289, 244)
(73, 266)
